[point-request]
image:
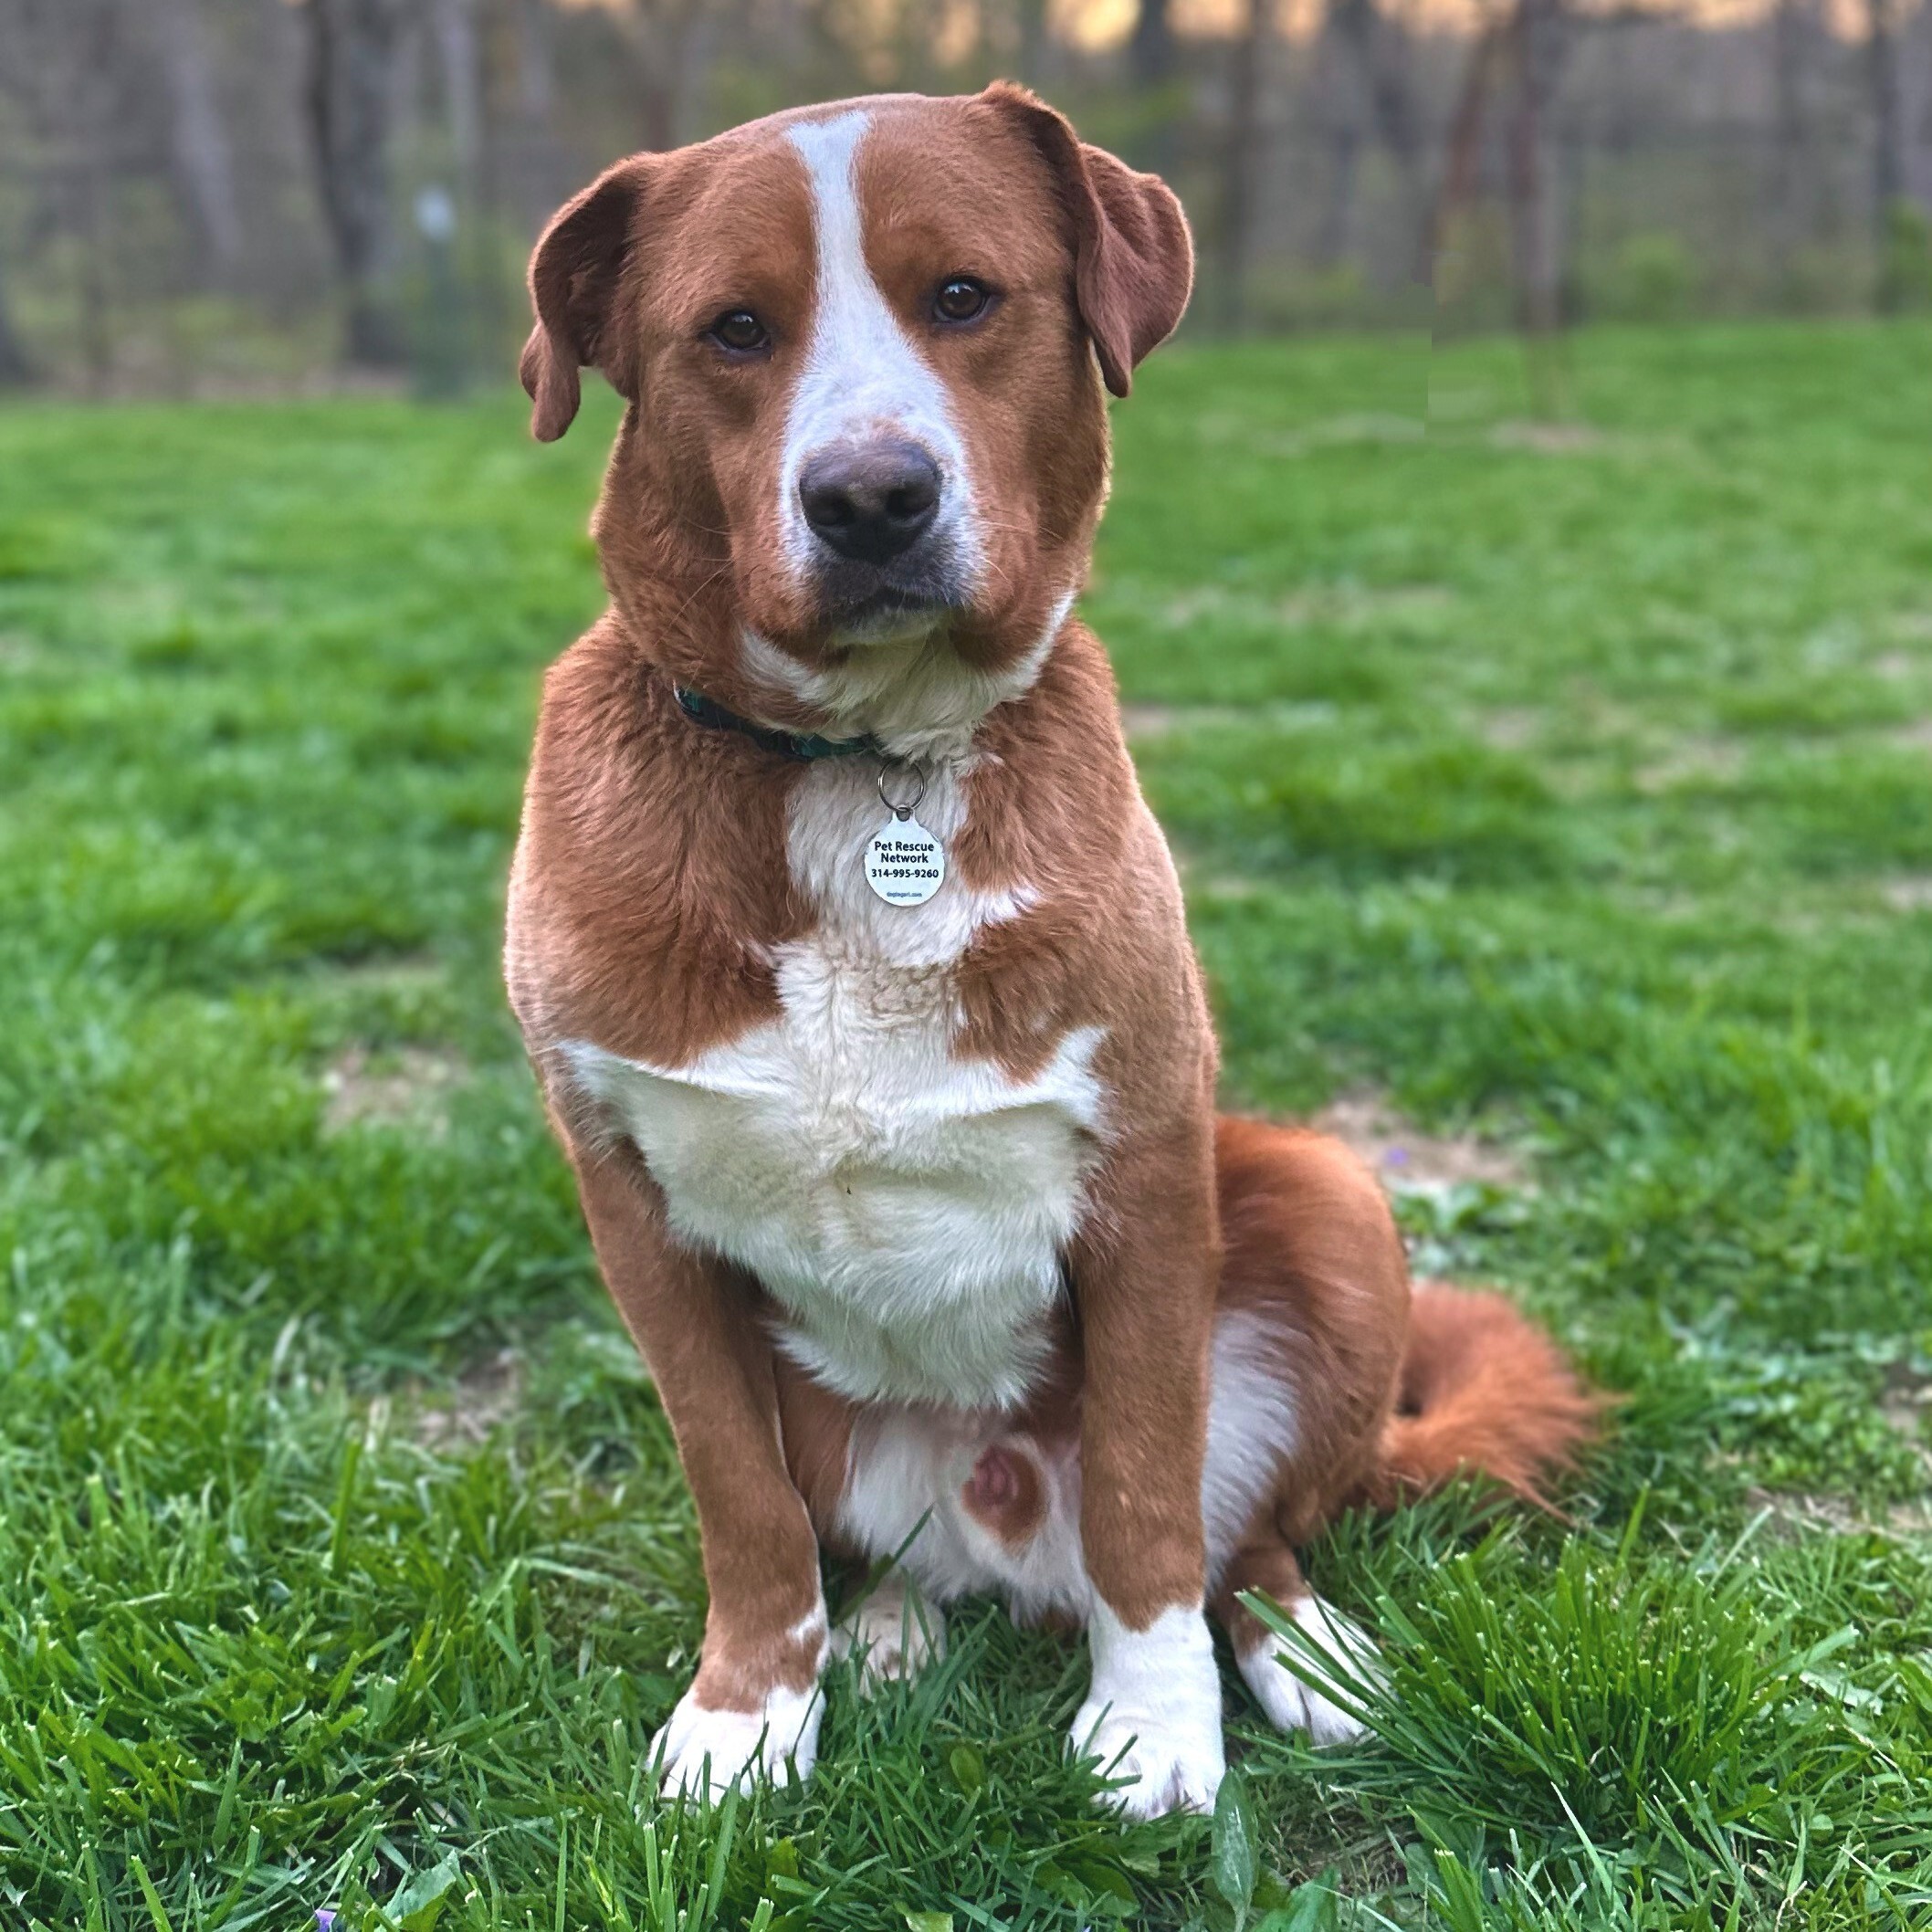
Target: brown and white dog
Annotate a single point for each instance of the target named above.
(919, 1211)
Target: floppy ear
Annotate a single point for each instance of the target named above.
(574, 277)
(1134, 262)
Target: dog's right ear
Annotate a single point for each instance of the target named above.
(575, 277)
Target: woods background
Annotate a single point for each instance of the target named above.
(216, 196)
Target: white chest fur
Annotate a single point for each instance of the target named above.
(907, 1208)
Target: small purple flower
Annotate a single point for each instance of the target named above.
(324, 1918)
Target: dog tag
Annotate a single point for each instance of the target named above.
(904, 864)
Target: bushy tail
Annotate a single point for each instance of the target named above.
(1484, 1392)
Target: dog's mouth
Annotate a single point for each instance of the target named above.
(862, 603)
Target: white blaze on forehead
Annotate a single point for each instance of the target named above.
(862, 377)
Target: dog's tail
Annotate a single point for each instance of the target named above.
(1484, 1392)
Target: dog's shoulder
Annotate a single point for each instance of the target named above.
(645, 902)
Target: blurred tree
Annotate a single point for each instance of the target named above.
(1881, 22)
(353, 50)
(672, 43)
(1541, 40)
(1151, 50)
(1242, 158)
(16, 367)
(1382, 51)
(1794, 28)
(203, 158)
(62, 62)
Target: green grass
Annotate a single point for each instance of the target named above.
(1575, 787)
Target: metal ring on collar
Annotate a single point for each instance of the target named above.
(901, 808)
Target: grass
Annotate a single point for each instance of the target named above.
(1569, 785)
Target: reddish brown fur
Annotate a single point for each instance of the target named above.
(644, 918)
(1397, 1392)
(1485, 1393)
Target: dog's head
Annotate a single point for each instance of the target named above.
(862, 348)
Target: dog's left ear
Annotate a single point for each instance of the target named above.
(575, 277)
(1134, 262)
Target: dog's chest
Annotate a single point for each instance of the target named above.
(906, 1207)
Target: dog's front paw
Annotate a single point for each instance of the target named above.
(893, 1631)
(706, 1752)
(1293, 1706)
(1153, 1715)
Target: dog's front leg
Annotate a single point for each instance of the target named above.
(1145, 1274)
(755, 1701)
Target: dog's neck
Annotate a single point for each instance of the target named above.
(916, 697)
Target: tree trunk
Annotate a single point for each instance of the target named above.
(201, 151)
(1379, 53)
(1032, 42)
(16, 367)
(1150, 52)
(1888, 173)
(1337, 84)
(541, 175)
(1462, 160)
(460, 59)
(1787, 137)
(353, 46)
(1241, 163)
(1538, 36)
(1539, 44)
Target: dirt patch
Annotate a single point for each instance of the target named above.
(1340, 432)
(1580, 439)
(486, 1396)
(388, 972)
(1692, 761)
(1147, 720)
(401, 1085)
(1912, 894)
(1410, 1161)
(1793, 1514)
(1144, 721)
(1348, 605)
(1904, 1400)
(1510, 728)
(1548, 439)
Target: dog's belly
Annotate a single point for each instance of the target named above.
(907, 1210)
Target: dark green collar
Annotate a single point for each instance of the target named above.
(805, 747)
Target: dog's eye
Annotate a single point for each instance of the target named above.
(960, 299)
(740, 331)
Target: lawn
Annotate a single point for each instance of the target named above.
(1568, 787)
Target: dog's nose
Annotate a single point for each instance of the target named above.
(872, 502)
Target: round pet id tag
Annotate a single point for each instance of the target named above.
(904, 864)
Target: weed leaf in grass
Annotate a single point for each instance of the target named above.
(1311, 1909)
(417, 1903)
(1234, 1863)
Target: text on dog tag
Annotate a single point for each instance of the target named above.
(904, 864)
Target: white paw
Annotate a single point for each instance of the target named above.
(893, 1631)
(707, 1752)
(1154, 1713)
(1293, 1706)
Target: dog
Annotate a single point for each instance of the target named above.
(854, 968)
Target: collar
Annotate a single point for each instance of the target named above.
(805, 747)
